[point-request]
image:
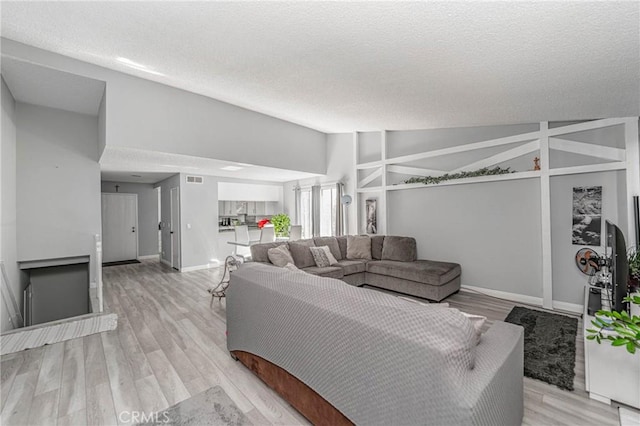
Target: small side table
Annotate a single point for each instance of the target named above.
(231, 263)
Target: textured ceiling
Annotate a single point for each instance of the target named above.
(337, 66)
(119, 164)
(38, 85)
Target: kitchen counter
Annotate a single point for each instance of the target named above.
(231, 228)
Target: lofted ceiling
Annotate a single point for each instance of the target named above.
(35, 84)
(136, 165)
(346, 66)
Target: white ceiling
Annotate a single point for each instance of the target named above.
(338, 66)
(34, 84)
(119, 164)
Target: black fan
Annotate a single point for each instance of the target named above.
(588, 261)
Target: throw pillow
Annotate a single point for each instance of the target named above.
(323, 257)
(280, 256)
(291, 267)
(330, 242)
(358, 247)
(376, 247)
(301, 254)
(402, 249)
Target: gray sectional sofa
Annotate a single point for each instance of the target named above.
(392, 264)
(342, 355)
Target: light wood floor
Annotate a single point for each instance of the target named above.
(170, 345)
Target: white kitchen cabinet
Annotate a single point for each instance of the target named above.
(229, 208)
(260, 208)
(251, 208)
(241, 207)
(272, 207)
(220, 208)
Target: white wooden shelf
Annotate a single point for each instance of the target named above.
(466, 181)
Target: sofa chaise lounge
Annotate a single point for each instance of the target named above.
(391, 263)
(341, 354)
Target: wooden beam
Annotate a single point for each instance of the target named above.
(574, 170)
(588, 125)
(545, 218)
(501, 156)
(417, 171)
(524, 137)
(589, 149)
(367, 180)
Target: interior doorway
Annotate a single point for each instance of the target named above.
(119, 227)
(175, 227)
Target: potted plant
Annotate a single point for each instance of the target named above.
(281, 223)
(620, 328)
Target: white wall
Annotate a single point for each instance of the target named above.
(102, 125)
(339, 168)
(199, 215)
(568, 281)
(8, 241)
(492, 229)
(147, 213)
(58, 183)
(146, 115)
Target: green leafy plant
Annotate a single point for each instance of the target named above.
(281, 223)
(619, 328)
(485, 171)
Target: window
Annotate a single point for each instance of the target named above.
(305, 213)
(327, 210)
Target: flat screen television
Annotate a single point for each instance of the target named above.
(616, 250)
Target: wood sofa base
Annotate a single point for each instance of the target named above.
(304, 399)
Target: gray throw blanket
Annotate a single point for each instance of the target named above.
(376, 358)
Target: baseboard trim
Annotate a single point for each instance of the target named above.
(514, 297)
(522, 298)
(149, 257)
(197, 268)
(166, 262)
(566, 306)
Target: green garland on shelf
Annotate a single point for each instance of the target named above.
(485, 171)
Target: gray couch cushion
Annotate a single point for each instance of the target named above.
(330, 242)
(402, 249)
(330, 271)
(376, 247)
(422, 271)
(280, 255)
(259, 252)
(350, 267)
(342, 243)
(301, 254)
(358, 247)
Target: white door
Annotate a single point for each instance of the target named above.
(119, 227)
(175, 228)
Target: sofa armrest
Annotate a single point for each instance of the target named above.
(498, 377)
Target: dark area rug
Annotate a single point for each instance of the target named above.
(549, 345)
(211, 407)
(120, 262)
